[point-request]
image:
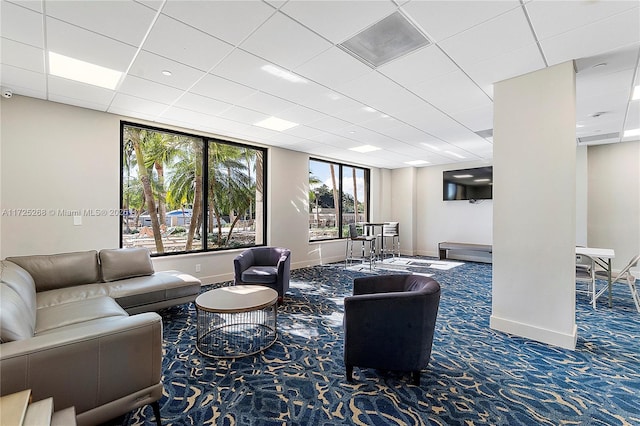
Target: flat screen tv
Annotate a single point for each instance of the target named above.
(468, 184)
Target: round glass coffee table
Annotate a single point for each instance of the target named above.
(236, 321)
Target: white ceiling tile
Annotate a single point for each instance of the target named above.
(301, 114)
(505, 33)
(246, 69)
(517, 62)
(552, 18)
(422, 65)
(184, 44)
(617, 82)
(185, 115)
(22, 55)
(150, 67)
(98, 16)
(330, 124)
(388, 96)
(303, 132)
(476, 119)
(222, 89)
(442, 19)
(338, 20)
(452, 92)
(21, 24)
(594, 39)
(146, 89)
(137, 107)
(633, 117)
(78, 43)
(267, 104)
(332, 67)
(243, 115)
(231, 21)
(202, 104)
(285, 42)
(87, 93)
(35, 5)
(83, 103)
(23, 82)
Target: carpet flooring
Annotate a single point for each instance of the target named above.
(476, 375)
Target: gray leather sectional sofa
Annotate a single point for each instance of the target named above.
(73, 327)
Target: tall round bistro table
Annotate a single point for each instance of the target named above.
(236, 321)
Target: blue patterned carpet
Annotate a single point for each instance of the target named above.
(476, 375)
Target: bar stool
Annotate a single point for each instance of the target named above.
(390, 230)
(365, 240)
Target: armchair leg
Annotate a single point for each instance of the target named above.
(350, 373)
(415, 378)
(156, 412)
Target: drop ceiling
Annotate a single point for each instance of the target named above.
(233, 64)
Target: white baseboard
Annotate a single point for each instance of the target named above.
(551, 337)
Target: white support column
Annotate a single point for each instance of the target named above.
(534, 206)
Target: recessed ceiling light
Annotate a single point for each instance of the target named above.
(365, 148)
(369, 109)
(601, 64)
(462, 176)
(579, 125)
(283, 74)
(636, 93)
(631, 132)
(167, 73)
(482, 180)
(454, 154)
(84, 72)
(276, 124)
(416, 162)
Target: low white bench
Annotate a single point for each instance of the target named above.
(465, 251)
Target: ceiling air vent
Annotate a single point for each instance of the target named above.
(599, 138)
(384, 41)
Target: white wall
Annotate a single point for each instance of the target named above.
(582, 196)
(614, 199)
(403, 202)
(458, 221)
(534, 232)
(59, 157)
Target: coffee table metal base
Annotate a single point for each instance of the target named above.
(224, 333)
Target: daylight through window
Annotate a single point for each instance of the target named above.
(338, 196)
(183, 193)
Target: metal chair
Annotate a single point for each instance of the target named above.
(585, 273)
(625, 274)
(365, 240)
(390, 230)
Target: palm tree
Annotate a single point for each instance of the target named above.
(160, 151)
(138, 139)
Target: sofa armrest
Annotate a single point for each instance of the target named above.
(89, 366)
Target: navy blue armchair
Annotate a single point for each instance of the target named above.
(389, 323)
(267, 266)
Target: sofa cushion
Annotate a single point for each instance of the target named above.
(69, 294)
(163, 285)
(117, 264)
(60, 270)
(16, 322)
(66, 314)
(260, 274)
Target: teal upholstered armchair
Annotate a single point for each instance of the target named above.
(389, 323)
(267, 266)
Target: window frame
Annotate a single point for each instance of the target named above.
(339, 214)
(206, 141)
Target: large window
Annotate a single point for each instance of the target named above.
(183, 193)
(338, 196)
